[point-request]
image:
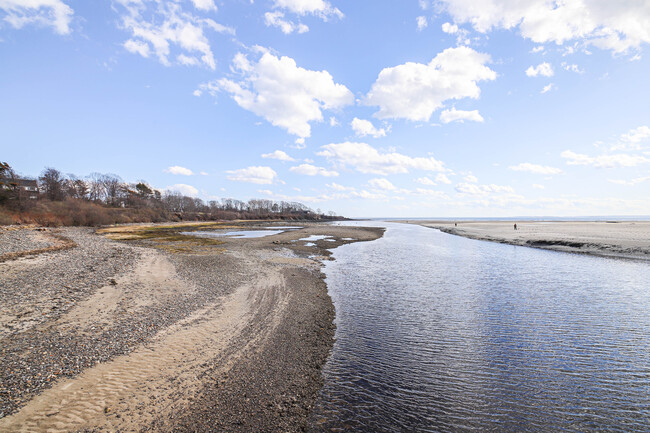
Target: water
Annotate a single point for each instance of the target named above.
(441, 333)
(236, 234)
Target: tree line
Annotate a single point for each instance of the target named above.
(110, 191)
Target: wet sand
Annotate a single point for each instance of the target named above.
(614, 239)
(166, 335)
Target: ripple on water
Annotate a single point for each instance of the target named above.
(441, 333)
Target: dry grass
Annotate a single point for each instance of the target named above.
(168, 237)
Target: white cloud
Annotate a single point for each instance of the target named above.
(459, 115)
(449, 28)
(442, 178)
(431, 193)
(366, 159)
(572, 68)
(613, 25)
(188, 190)
(320, 8)
(187, 60)
(205, 5)
(137, 47)
(537, 49)
(312, 170)
(362, 127)
(422, 22)
(426, 181)
(633, 139)
(278, 154)
(382, 183)
(258, 175)
(48, 13)
(333, 121)
(535, 168)
(543, 69)
(177, 169)
(337, 187)
(604, 161)
(547, 88)
(283, 93)
(276, 19)
(470, 178)
(414, 90)
(162, 25)
(475, 189)
(630, 182)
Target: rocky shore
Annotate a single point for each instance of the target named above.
(165, 334)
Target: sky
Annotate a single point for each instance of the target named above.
(384, 108)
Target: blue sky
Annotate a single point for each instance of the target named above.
(366, 108)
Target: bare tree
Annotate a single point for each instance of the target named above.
(52, 184)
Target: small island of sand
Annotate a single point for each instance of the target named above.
(630, 239)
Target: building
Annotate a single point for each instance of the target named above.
(27, 188)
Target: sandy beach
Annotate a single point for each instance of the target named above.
(140, 332)
(630, 239)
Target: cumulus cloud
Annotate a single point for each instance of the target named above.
(634, 139)
(366, 159)
(177, 169)
(258, 175)
(426, 181)
(470, 178)
(188, 190)
(442, 178)
(449, 28)
(283, 93)
(382, 183)
(278, 154)
(320, 8)
(630, 182)
(312, 170)
(205, 5)
(543, 69)
(157, 26)
(535, 168)
(414, 91)
(475, 189)
(604, 161)
(614, 25)
(459, 115)
(277, 19)
(335, 186)
(47, 13)
(422, 22)
(362, 127)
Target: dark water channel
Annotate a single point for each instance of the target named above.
(441, 333)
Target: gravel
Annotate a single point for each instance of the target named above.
(14, 240)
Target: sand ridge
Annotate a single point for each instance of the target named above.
(628, 239)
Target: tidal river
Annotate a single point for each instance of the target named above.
(440, 333)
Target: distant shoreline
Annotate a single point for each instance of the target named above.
(623, 239)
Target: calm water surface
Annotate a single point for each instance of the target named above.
(441, 333)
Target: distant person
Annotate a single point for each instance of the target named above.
(455, 224)
(515, 226)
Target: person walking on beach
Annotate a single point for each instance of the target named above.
(515, 226)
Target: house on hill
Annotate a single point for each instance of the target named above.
(26, 188)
